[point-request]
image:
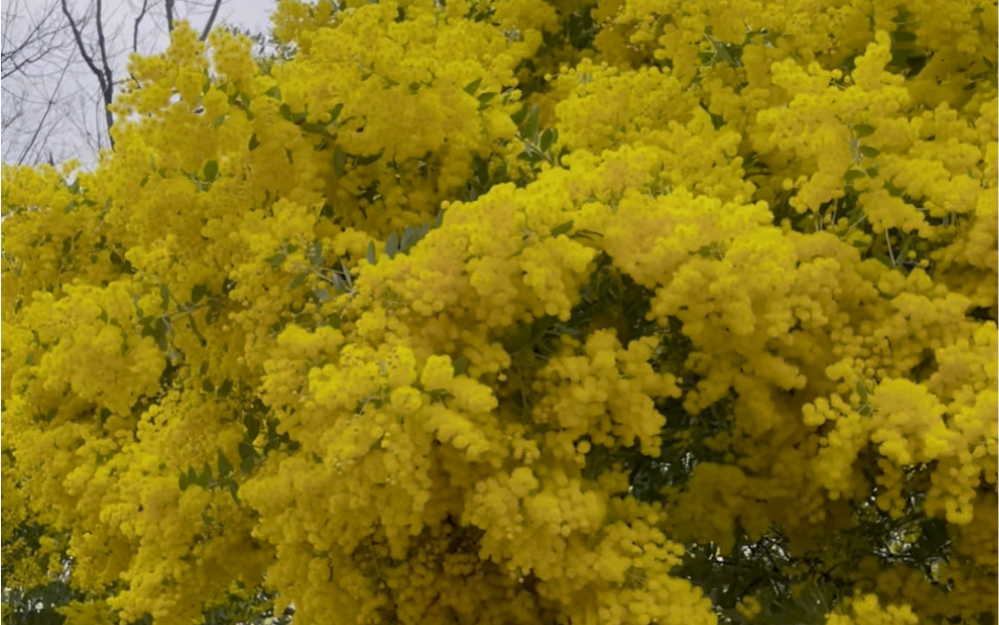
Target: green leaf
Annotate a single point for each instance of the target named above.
(547, 137)
(473, 86)
(246, 465)
(252, 427)
(165, 296)
(519, 116)
(531, 157)
(207, 386)
(317, 129)
(862, 391)
(371, 253)
(198, 292)
(225, 468)
(206, 475)
(904, 36)
(321, 295)
(253, 142)
(225, 389)
(273, 92)
(540, 327)
(160, 333)
(299, 280)
(461, 365)
(335, 112)
(869, 151)
(194, 328)
(184, 482)
(531, 129)
(211, 170)
(315, 255)
(852, 175)
(192, 476)
(339, 284)
(520, 340)
(339, 160)
(408, 239)
(367, 160)
(863, 130)
(585, 234)
(392, 245)
(247, 451)
(562, 228)
(233, 489)
(485, 98)
(276, 260)
(204, 368)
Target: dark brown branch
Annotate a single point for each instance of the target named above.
(211, 20)
(138, 20)
(79, 45)
(103, 77)
(101, 44)
(108, 91)
(169, 12)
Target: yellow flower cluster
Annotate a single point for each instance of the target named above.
(393, 326)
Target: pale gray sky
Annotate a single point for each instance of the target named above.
(73, 124)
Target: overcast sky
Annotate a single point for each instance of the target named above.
(73, 124)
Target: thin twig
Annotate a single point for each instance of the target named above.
(103, 77)
(211, 20)
(41, 123)
(138, 20)
(891, 254)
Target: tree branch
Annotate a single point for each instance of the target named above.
(108, 86)
(211, 20)
(138, 20)
(79, 45)
(41, 124)
(169, 13)
(103, 77)
(109, 82)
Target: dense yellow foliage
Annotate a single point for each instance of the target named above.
(337, 323)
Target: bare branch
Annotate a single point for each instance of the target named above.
(38, 43)
(169, 15)
(41, 124)
(82, 48)
(138, 20)
(103, 77)
(108, 80)
(211, 20)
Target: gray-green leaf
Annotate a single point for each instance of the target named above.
(863, 130)
(562, 228)
(211, 170)
(225, 468)
(473, 86)
(339, 160)
(392, 245)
